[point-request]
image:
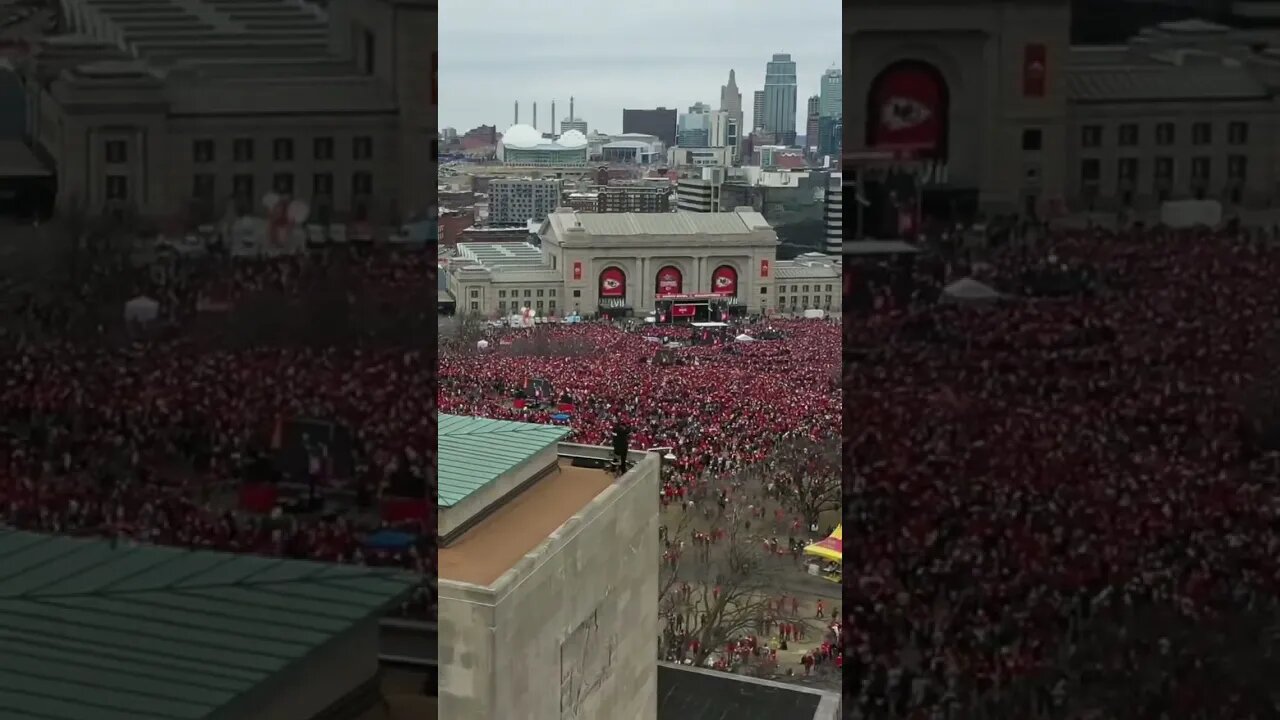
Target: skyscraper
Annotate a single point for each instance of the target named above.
(780, 99)
(757, 117)
(831, 104)
(811, 122)
(731, 102)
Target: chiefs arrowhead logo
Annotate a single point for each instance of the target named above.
(611, 284)
(724, 281)
(899, 113)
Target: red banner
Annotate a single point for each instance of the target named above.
(577, 270)
(764, 268)
(908, 106)
(670, 281)
(1034, 70)
(683, 310)
(724, 281)
(613, 283)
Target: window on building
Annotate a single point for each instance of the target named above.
(502, 293)
(828, 287)
(282, 150)
(577, 293)
(362, 148)
(551, 306)
(528, 293)
(282, 183)
(322, 148)
(362, 183)
(552, 291)
(804, 288)
(1202, 133)
(202, 186)
(540, 292)
(475, 307)
(475, 293)
(116, 151)
(202, 151)
(1032, 139)
(764, 289)
(242, 150)
(1236, 194)
(1091, 136)
(827, 300)
(322, 185)
(804, 301)
(539, 306)
(117, 187)
(1200, 167)
(1166, 133)
(1128, 135)
(1238, 133)
(1090, 170)
(1163, 169)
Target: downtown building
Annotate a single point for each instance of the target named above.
(516, 201)
(211, 113)
(780, 99)
(1188, 110)
(659, 122)
(833, 214)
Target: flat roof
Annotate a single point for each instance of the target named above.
(878, 247)
(473, 452)
(92, 630)
(495, 544)
(688, 692)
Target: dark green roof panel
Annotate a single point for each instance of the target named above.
(89, 630)
(474, 452)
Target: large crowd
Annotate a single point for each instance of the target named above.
(1028, 474)
(148, 440)
(719, 407)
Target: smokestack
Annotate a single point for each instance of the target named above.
(553, 116)
(571, 117)
(535, 114)
(517, 120)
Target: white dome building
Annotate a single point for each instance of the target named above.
(524, 145)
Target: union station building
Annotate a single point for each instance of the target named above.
(630, 263)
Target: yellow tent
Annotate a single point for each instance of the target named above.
(831, 548)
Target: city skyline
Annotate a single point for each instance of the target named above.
(485, 67)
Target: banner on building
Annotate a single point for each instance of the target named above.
(684, 311)
(577, 270)
(613, 283)
(724, 281)
(670, 281)
(764, 268)
(909, 106)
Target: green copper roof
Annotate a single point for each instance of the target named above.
(92, 632)
(474, 452)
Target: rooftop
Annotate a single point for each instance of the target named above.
(501, 255)
(88, 630)
(473, 452)
(1111, 83)
(686, 692)
(494, 545)
(677, 223)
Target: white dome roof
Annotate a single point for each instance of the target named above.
(572, 139)
(522, 136)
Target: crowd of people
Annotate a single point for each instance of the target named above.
(148, 440)
(719, 406)
(1028, 474)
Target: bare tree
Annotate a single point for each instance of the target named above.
(806, 477)
(714, 593)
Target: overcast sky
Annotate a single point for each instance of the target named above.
(610, 55)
